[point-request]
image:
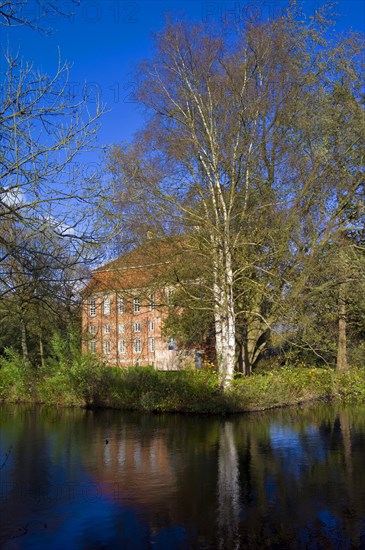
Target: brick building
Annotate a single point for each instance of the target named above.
(124, 306)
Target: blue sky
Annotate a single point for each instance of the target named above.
(105, 40)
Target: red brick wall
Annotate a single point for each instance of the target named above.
(106, 326)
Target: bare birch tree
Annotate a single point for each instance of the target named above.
(14, 13)
(44, 189)
(43, 130)
(225, 150)
(49, 226)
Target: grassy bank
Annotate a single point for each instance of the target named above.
(85, 383)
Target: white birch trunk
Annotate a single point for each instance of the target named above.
(218, 336)
(224, 315)
(228, 332)
(230, 351)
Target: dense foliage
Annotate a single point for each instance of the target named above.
(81, 381)
(252, 151)
(252, 156)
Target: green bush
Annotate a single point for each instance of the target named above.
(357, 355)
(281, 387)
(17, 379)
(57, 389)
(350, 385)
(71, 377)
(143, 388)
(80, 380)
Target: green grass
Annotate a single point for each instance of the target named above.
(86, 383)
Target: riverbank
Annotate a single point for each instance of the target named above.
(87, 384)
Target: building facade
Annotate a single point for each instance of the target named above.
(124, 308)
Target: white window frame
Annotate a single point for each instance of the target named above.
(136, 305)
(92, 329)
(120, 305)
(121, 328)
(137, 345)
(137, 327)
(106, 347)
(107, 328)
(122, 347)
(92, 346)
(92, 308)
(106, 306)
(151, 344)
(151, 326)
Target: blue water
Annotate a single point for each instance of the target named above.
(78, 479)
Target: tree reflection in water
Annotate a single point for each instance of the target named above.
(104, 479)
(228, 489)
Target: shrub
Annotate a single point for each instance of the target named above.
(17, 379)
(86, 382)
(350, 385)
(284, 386)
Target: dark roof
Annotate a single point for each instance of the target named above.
(146, 265)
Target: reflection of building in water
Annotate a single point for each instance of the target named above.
(181, 474)
(137, 471)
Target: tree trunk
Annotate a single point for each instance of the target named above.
(342, 349)
(240, 359)
(224, 316)
(41, 352)
(248, 364)
(246, 357)
(228, 348)
(226, 343)
(229, 335)
(24, 344)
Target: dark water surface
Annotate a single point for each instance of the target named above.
(77, 479)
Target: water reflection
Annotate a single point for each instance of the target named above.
(228, 488)
(83, 479)
(133, 470)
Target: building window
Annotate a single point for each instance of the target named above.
(136, 327)
(92, 308)
(107, 328)
(122, 347)
(92, 329)
(120, 302)
(106, 346)
(92, 346)
(151, 344)
(121, 328)
(151, 304)
(151, 326)
(169, 294)
(106, 306)
(137, 345)
(136, 305)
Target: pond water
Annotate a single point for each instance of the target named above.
(80, 479)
